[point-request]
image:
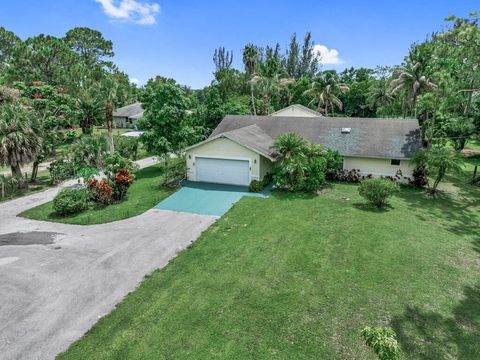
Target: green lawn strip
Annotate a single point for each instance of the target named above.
(145, 193)
(298, 277)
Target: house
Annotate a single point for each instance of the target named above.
(127, 116)
(240, 149)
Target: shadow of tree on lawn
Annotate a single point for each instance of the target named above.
(425, 334)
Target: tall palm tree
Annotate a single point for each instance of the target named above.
(19, 138)
(267, 86)
(108, 89)
(380, 94)
(324, 91)
(250, 61)
(410, 79)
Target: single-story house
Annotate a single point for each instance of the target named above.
(240, 149)
(127, 116)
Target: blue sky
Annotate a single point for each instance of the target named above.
(176, 38)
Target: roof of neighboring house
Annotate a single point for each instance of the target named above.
(382, 138)
(133, 111)
(298, 106)
(251, 137)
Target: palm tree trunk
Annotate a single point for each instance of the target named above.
(264, 104)
(16, 171)
(33, 177)
(109, 115)
(253, 100)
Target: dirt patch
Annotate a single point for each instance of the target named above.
(28, 238)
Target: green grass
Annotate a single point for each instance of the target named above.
(142, 195)
(298, 277)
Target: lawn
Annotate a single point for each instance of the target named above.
(298, 277)
(142, 195)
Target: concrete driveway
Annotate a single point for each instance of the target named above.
(207, 199)
(57, 280)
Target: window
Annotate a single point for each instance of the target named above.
(395, 162)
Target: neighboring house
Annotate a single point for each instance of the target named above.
(127, 116)
(240, 149)
(296, 110)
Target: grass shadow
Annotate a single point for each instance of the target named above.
(426, 334)
(371, 208)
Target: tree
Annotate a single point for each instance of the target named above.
(250, 61)
(108, 91)
(19, 139)
(91, 46)
(289, 145)
(8, 41)
(222, 58)
(302, 61)
(165, 122)
(44, 58)
(440, 160)
(55, 111)
(411, 79)
(324, 91)
(90, 113)
(267, 86)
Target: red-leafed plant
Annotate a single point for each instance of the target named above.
(104, 192)
(123, 179)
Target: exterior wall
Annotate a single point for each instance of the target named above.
(223, 148)
(293, 111)
(377, 167)
(122, 122)
(265, 166)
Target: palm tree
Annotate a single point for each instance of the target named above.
(325, 90)
(270, 85)
(441, 160)
(250, 61)
(90, 113)
(108, 88)
(410, 79)
(289, 146)
(19, 139)
(380, 95)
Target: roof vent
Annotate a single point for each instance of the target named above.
(346, 130)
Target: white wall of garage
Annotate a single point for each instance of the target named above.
(223, 148)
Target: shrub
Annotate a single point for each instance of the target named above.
(174, 170)
(383, 342)
(377, 191)
(104, 192)
(87, 173)
(255, 186)
(122, 182)
(70, 201)
(302, 164)
(127, 146)
(61, 170)
(420, 172)
(334, 163)
(115, 162)
(90, 151)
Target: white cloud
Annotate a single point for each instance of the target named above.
(135, 81)
(136, 11)
(327, 56)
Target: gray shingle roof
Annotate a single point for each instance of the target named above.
(252, 137)
(383, 138)
(133, 111)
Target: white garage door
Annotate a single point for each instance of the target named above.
(223, 171)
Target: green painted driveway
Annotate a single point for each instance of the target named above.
(206, 198)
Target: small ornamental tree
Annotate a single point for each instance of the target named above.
(440, 160)
(377, 191)
(383, 342)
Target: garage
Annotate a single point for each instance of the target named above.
(223, 171)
